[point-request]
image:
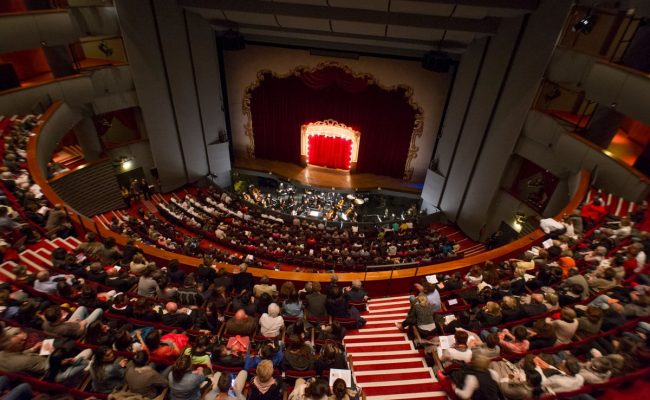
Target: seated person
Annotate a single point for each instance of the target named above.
(515, 342)
(264, 386)
(141, 378)
(241, 324)
(331, 356)
(356, 292)
(265, 287)
(224, 388)
(488, 348)
(565, 327)
(535, 307)
(271, 322)
(334, 331)
(542, 335)
(490, 315)
(292, 306)
(72, 327)
(459, 352)
(172, 316)
(106, 371)
(199, 351)
(298, 356)
(269, 351)
(119, 280)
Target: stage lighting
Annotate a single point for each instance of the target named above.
(585, 25)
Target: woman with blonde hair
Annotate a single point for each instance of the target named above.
(137, 265)
(264, 386)
(489, 315)
(420, 315)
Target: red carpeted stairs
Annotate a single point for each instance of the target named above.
(37, 257)
(386, 365)
(467, 245)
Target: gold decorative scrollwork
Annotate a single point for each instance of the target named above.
(408, 93)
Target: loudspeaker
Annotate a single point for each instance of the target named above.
(232, 40)
(8, 77)
(437, 61)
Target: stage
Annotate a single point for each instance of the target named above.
(327, 178)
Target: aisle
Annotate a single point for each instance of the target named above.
(386, 365)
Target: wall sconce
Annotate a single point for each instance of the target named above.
(124, 162)
(520, 219)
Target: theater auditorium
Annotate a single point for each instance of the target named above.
(324, 199)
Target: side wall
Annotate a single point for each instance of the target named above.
(173, 58)
(495, 86)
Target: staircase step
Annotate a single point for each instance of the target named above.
(31, 261)
(62, 243)
(398, 374)
(409, 396)
(387, 299)
(5, 270)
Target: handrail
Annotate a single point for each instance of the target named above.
(37, 84)
(33, 12)
(640, 175)
(519, 245)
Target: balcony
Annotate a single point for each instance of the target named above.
(31, 29)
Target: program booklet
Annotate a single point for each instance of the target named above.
(344, 374)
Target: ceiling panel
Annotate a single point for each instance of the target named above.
(409, 32)
(470, 12)
(505, 12)
(208, 14)
(362, 28)
(458, 36)
(312, 2)
(380, 5)
(250, 18)
(291, 37)
(304, 23)
(419, 7)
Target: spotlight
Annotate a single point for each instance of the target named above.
(585, 25)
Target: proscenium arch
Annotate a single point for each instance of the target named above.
(329, 128)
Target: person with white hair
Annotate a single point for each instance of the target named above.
(45, 283)
(271, 322)
(355, 292)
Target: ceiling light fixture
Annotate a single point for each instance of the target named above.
(585, 25)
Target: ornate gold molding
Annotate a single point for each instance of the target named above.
(340, 130)
(370, 79)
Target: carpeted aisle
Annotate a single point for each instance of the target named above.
(386, 365)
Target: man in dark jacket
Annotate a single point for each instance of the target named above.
(316, 302)
(119, 281)
(173, 317)
(535, 307)
(242, 280)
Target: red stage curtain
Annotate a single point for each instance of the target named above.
(280, 106)
(329, 152)
(328, 76)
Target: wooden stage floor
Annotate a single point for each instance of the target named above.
(327, 178)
